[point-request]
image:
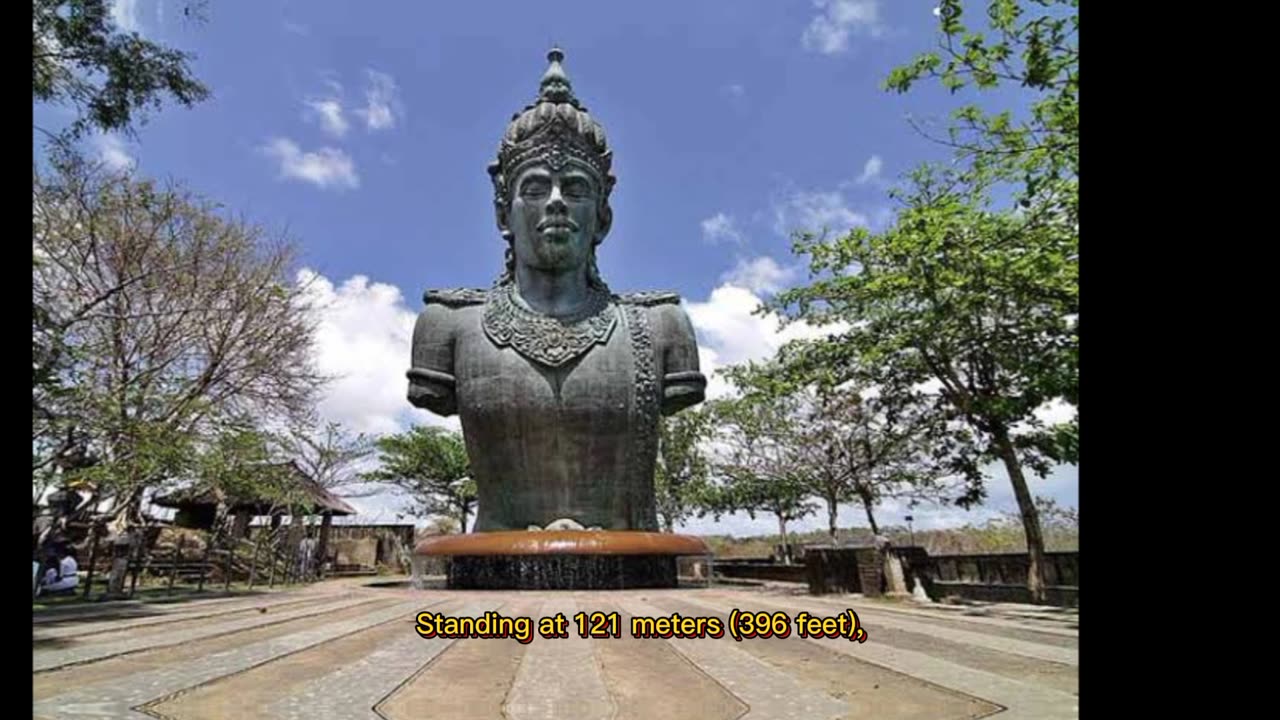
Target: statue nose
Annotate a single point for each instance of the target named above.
(556, 203)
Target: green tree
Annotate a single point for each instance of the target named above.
(1029, 44)
(856, 441)
(873, 445)
(430, 464)
(974, 300)
(240, 462)
(111, 78)
(169, 321)
(759, 463)
(680, 475)
(326, 452)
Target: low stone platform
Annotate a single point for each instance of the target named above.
(344, 649)
(562, 559)
(561, 572)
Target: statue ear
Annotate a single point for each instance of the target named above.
(604, 221)
(501, 214)
(499, 199)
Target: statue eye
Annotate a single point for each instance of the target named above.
(577, 189)
(534, 188)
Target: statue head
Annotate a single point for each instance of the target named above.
(552, 180)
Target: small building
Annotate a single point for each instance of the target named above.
(198, 508)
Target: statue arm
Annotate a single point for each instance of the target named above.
(431, 381)
(682, 382)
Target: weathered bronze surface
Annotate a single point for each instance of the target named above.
(558, 381)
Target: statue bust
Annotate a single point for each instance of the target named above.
(557, 380)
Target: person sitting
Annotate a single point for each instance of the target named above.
(62, 578)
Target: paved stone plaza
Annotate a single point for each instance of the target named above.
(346, 650)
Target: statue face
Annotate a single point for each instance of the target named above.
(554, 217)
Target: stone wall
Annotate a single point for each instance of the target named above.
(990, 577)
(751, 569)
(1061, 568)
(844, 570)
(1002, 577)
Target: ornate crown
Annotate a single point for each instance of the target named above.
(554, 129)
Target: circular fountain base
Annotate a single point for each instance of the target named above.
(562, 559)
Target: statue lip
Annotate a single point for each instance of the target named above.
(558, 224)
(558, 233)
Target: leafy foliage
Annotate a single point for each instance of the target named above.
(157, 324)
(80, 58)
(758, 463)
(964, 297)
(682, 469)
(430, 463)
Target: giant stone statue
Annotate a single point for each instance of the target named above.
(558, 381)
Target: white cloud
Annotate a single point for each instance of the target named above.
(296, 28)
(709, 363)
(736, 90)
(124, 13)
(871, 171)
(729, 332)
(720, 227)
(328, 111)
(113, 153)
(737, 334)
(829, 31)
(324, 168)
(937, 12)
(1055, 412)
(382, 102)
(762, 275)
(816, 211)
(363, 338)
(363, 334)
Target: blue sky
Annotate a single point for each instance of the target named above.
(364, 130)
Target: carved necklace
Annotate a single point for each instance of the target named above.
(547, 340)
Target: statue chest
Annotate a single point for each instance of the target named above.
(500, 388)
(574, 437)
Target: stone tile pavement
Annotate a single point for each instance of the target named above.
(346, 650)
